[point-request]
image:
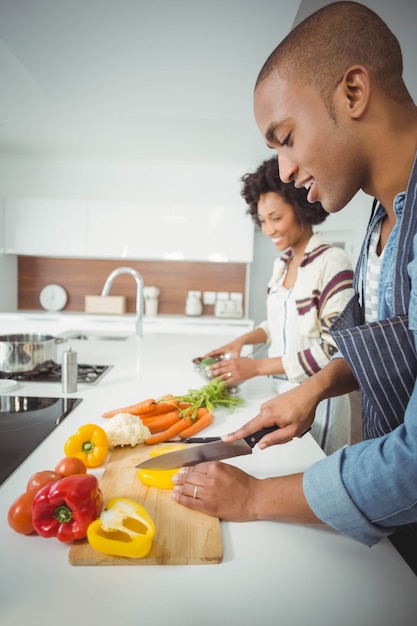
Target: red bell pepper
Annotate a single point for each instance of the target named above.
(65, 508)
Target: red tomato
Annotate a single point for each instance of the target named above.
(40, 479)
(71, 465)
(20, 514)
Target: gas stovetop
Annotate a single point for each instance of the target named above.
(49, 371)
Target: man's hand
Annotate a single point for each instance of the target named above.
(290, 411)
(226, 492)
(207, 487)
(294, 410)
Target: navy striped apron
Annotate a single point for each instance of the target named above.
(382, 354)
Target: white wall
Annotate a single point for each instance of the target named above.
(129, 79)
(8, 283)
(126, 181)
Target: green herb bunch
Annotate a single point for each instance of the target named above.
(212, 395)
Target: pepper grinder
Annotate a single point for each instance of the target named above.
(69, 374)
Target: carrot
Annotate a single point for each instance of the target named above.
(161, 422)
(193, 413)
(184, 405)
(170, 432)
(202, 422)
(140, 408)
(159, 409)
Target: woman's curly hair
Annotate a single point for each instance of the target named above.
(266, 179)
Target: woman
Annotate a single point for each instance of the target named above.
(310, 286)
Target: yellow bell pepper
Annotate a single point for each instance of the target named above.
(161, 479)
(123, 529)
(89, 443)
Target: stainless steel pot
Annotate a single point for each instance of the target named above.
(23, 352)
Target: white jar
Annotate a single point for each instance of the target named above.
(193, 304)
(151, 297)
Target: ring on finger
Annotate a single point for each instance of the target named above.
(195, 491)
(229, 375)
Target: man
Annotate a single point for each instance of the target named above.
(331, 101)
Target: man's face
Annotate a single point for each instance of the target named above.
(315, 149)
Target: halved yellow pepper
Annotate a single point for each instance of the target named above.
(124, 528)
(161, 479)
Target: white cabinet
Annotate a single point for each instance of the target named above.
(121, 230)
(45, 227)
(169, 232)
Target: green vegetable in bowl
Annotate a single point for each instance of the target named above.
(209, 360)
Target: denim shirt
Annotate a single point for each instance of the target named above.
(364, 491)
(386, 281)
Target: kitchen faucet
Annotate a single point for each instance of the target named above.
(139, 292)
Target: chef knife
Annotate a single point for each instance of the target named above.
(212, 451)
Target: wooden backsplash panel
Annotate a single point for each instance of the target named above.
(81, 277)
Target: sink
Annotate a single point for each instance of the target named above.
(94, 336)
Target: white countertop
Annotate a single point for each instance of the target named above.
(60, 322)
(272, 573)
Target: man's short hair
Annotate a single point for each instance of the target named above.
(320, 49)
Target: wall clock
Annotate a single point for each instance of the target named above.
(53, 297)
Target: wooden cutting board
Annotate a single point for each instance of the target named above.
(183, 536)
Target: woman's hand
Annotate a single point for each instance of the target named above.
(235, 370)
(234, 348)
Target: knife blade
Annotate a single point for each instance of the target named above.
(212, 451)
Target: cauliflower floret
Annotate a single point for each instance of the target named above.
(125, 429)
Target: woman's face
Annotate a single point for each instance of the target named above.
(279, 222)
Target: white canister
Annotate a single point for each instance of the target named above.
(193, 304)
(151, 295)
(151, 307)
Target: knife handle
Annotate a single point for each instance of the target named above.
(200, 439)
(253, 439)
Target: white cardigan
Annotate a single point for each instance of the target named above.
(321, 291)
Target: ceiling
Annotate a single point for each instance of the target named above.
(135, 79)
(148, 79)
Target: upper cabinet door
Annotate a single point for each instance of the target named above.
(113, 230)
(169, 232)
(45, 227)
